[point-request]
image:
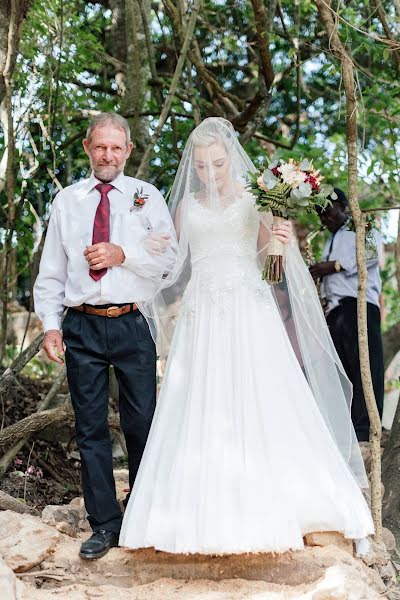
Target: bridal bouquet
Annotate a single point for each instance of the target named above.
(285, 189)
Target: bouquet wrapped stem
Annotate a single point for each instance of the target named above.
(273, 268)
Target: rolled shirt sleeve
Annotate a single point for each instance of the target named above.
(345, 283)
(49, 288)
(345, 252)
(137, 258)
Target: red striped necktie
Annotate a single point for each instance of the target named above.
(101, 226)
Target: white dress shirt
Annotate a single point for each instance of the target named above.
(342, 247)
(64, 278)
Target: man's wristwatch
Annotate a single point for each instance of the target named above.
(338, 266)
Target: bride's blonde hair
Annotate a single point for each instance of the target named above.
(209, 132)
(205, 138)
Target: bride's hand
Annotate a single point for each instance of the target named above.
(283, 231)
(157, 244)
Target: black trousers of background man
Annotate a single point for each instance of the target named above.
(342, 323)
(93, 343)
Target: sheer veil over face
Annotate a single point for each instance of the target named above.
(212, 177)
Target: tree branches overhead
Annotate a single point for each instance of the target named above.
(266, 65)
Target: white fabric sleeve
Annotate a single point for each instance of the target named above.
(49, 288)
(141, 261)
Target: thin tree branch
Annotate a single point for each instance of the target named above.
(336, 46)
(7, 246)
(388, 42)
(382, 17)
(19, 363)
(231, 101)
(262, 36)
(172, 89)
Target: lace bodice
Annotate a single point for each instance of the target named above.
(223, 232)
(223, 250)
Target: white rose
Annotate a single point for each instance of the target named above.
(291, 175)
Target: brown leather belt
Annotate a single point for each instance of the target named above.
(111, 311)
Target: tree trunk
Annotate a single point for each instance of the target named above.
(126, 43)
(21, 8)
(8, 256)
(12, 15)
(137, 75)
(339, 51)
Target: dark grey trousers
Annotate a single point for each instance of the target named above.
(342, 323)
(93, 343)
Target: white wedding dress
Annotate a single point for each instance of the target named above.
(239, 458)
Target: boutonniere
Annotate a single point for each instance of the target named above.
(139, 199)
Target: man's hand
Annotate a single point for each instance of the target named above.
(104, 255)
(283, 231)
(53, 345)
(323, 268)
(157, 244)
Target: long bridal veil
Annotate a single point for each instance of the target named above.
(212, 177)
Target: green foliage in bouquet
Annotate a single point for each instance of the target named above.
(284, 199)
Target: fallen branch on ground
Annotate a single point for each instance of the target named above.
(8, 502)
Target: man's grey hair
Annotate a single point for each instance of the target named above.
(109, 118)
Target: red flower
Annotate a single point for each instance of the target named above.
(139, 199)
(313, 182)
(275, 171)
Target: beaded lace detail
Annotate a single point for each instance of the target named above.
(223, 248)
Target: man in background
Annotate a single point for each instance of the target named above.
(339, 283)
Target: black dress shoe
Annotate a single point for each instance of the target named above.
(99, 544)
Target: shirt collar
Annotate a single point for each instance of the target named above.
(118, 182)
(344, 226)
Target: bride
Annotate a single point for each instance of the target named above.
(251, 447)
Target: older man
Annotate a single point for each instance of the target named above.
(338, 272)
(110, 238)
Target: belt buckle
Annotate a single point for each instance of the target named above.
(111, 311)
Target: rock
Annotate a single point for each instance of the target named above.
(367, 495)
(78, 502)
(342, 582)
(72, 518)
(66, 528)
(325, 570)
(68, 518)
(25, 541)
(315, 573)
(11, 588)
(388, 539)
(133, 569)
(387, 573)
(121, 475)
(339, 583)
(366, 454)
(327, 538)
(377, 555)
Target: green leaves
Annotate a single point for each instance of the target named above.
(72, 62)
